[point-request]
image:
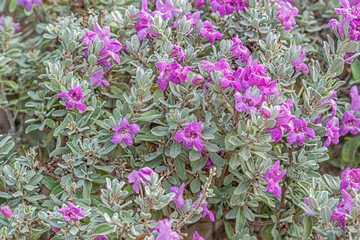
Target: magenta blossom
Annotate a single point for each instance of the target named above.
(110, 45)
(247, 101)
(28, 3)
(71, 212)
(349, 55)
(165, 231)
(173, 72)
(237, 5)
(298, 63)
(332, 132)
(205, 212)
(178, 52)
(354, 31)
(197, 80)
(332, 104)
(350, 177)
(124, 131)
(136, 177)
(342, 209)
(55, 229)
(283, 120)
(339, 25)
(229, 80)
(221, 65)
(199, 3)
(349, 12)
(218, 5)
(6, 211)
(239, 50)
(197, 236)
(273, 177)
(208, 30)
(74, 98)
(355, 99)
(299, 131)
(286, 14)
(97, 78)
(178, 199)
(190, 136)
(143, 25)
(350, 124)
(16, 26)
(166, 10)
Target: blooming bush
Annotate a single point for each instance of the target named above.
(139, 120)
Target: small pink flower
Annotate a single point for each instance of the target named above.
(178, 199)
(6, 211)
(197, 236)
(55, 229)
(190, 136)
(124, 132)
(136, 176)
(71, 212)
(286, 14)
(273, 177)
(28, 3)
(74, 98)
(208, 30)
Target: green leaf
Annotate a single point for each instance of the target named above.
(180, 168)
(87, 189)
(11, 84)
(194, 155)
(355, 69)
(148, 116)
(195, 185)
(103, 229)
(308, 225)
(49, 182)
(160, 131)
(175, 149)
(218, 160)
(243, 187)
(12, 5)
(350, 152)
(325, 214)
(5, 195)
(229, 230)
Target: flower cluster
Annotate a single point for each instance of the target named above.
(28, 3)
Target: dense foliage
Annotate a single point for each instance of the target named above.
(134, 120)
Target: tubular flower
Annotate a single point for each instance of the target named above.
(197, 236)
(143, 25)
(28, 3)
(190, 136)
(204, 211)
(332, 132)
(350, 177)
(124, 132)
(286, 14)
(171, 72)
(298, 63)
(239, 50)
(165, 231)
(299, 131)
(247, 101)
(6, 211)
(350, 124)
(273, 177)
(208, 30)
(166, 10)
(97, 78)
(342, 209)
(71, 212)
(74, 98)
(136, 177)
(355, 99)
(178, 199)
(178, 52)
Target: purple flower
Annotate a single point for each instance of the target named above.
(273, 177)
(204, 211)
(218, 5)
(124, 131)
(196, 236)
(197, 80)
(143, 26)
(97, 78)
(193, 17)
(199, 3)
(55, 229)
(350, 13)
(71, 212)
(349, 55)
(100, 237)
(171, 72)
(221, 65)
(110, 46)
(240, 51)
(228, 79)
(178, 52)
(306, 201)
(299, 131)
(28, 3)
(178, 199)
(342, 209)
(166, 10)
(237, 5)
(298, 63)
(74, 98)
(208, 30)
(354, 32)
(350, 177)
(286, 14)
(16, 26)
(165, 231)
(332, 132)
(191, 136)
(136, 176)
(340, 26)
(6, 211)
(350, 124)
(247, 101)
(265, 112)
(282, 120)
(355, 99)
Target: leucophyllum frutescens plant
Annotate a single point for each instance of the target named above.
(137, 120)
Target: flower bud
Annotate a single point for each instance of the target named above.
(197, 80)
(6, 211)
(265, 112)
(55, 229)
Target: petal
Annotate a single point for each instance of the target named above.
(179, 136)
(117, 138)
(199, 144)
(81, 106)
(291, 137)
(277, 190)
(134, 128)
(128, 140)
